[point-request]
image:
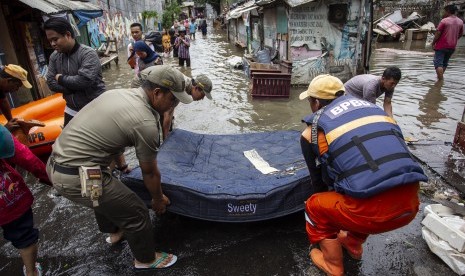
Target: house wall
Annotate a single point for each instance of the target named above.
(282, 32)
(321, 43)
(232, 30)
(269, 28)
(241, 30)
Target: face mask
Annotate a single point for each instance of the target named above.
(7, 146)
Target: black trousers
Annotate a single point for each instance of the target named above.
(188, 62)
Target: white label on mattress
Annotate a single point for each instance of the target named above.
(258, 162)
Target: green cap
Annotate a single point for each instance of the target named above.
(7, 146)
(205, 83)
(169, 78)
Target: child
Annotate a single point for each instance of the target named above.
(173, 36)
(147, 56)
(166, 41)
(16, 216)
(192, 28)
(183, 43)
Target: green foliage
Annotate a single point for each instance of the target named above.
(170, 14)
(146, 15)
(149, 14)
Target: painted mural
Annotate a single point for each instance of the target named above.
(106, 27)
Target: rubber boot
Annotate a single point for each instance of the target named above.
(329, 257)
(352, 244)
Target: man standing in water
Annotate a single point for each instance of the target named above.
(137, 35)
(74, 69)
(449, 31)
(359, 187)
(78, 165)
(370, 87)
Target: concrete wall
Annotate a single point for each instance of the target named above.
(269, 28)
(319, 43)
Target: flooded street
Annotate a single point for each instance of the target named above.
(71, 244)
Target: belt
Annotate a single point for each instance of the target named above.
(62, 169)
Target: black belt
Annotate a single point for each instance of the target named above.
(62, 169)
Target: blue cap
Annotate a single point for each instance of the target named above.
(7, 146)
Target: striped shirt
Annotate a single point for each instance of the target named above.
(183, 50)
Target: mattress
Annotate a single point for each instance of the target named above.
(230, 178)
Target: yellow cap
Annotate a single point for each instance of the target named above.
(323, 87)
(18, 72)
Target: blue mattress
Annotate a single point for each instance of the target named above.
(208, 176)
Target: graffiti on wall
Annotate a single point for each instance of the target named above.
(317, 46)
(306, 26)
(103, 28)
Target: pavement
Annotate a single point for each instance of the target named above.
(445, 160)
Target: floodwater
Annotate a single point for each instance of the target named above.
(70, 243)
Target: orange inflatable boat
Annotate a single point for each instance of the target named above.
(48, 111)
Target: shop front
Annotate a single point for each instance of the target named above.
(23, 40)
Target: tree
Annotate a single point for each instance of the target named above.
(171, 12)
(146, 15)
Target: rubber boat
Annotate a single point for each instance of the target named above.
(47, 111)
(230, 178)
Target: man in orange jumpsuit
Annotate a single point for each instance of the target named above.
(359, 187)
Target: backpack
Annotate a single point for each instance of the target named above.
(156, 39)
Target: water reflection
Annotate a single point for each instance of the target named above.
(430, 105)
(415, 101)
(416, 45)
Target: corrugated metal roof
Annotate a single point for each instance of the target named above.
(295, 3)
(237, 12)
(264, 2)
(56, 6)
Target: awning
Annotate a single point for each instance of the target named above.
(85, 11)
(86, 16)
(295, 3)
(237, 12)
(56, 6)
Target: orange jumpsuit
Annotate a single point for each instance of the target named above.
(327, 212)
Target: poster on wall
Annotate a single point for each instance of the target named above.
(34, 47)
(36, 56)
(306, 25)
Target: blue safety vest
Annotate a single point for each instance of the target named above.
(366, 150)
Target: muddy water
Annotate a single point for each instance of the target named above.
(70, 243)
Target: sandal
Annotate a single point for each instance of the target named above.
(157, 264)
(38, 269)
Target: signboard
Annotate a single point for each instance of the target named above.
(306, 25)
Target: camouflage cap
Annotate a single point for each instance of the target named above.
(205, 83)
(169, 78)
